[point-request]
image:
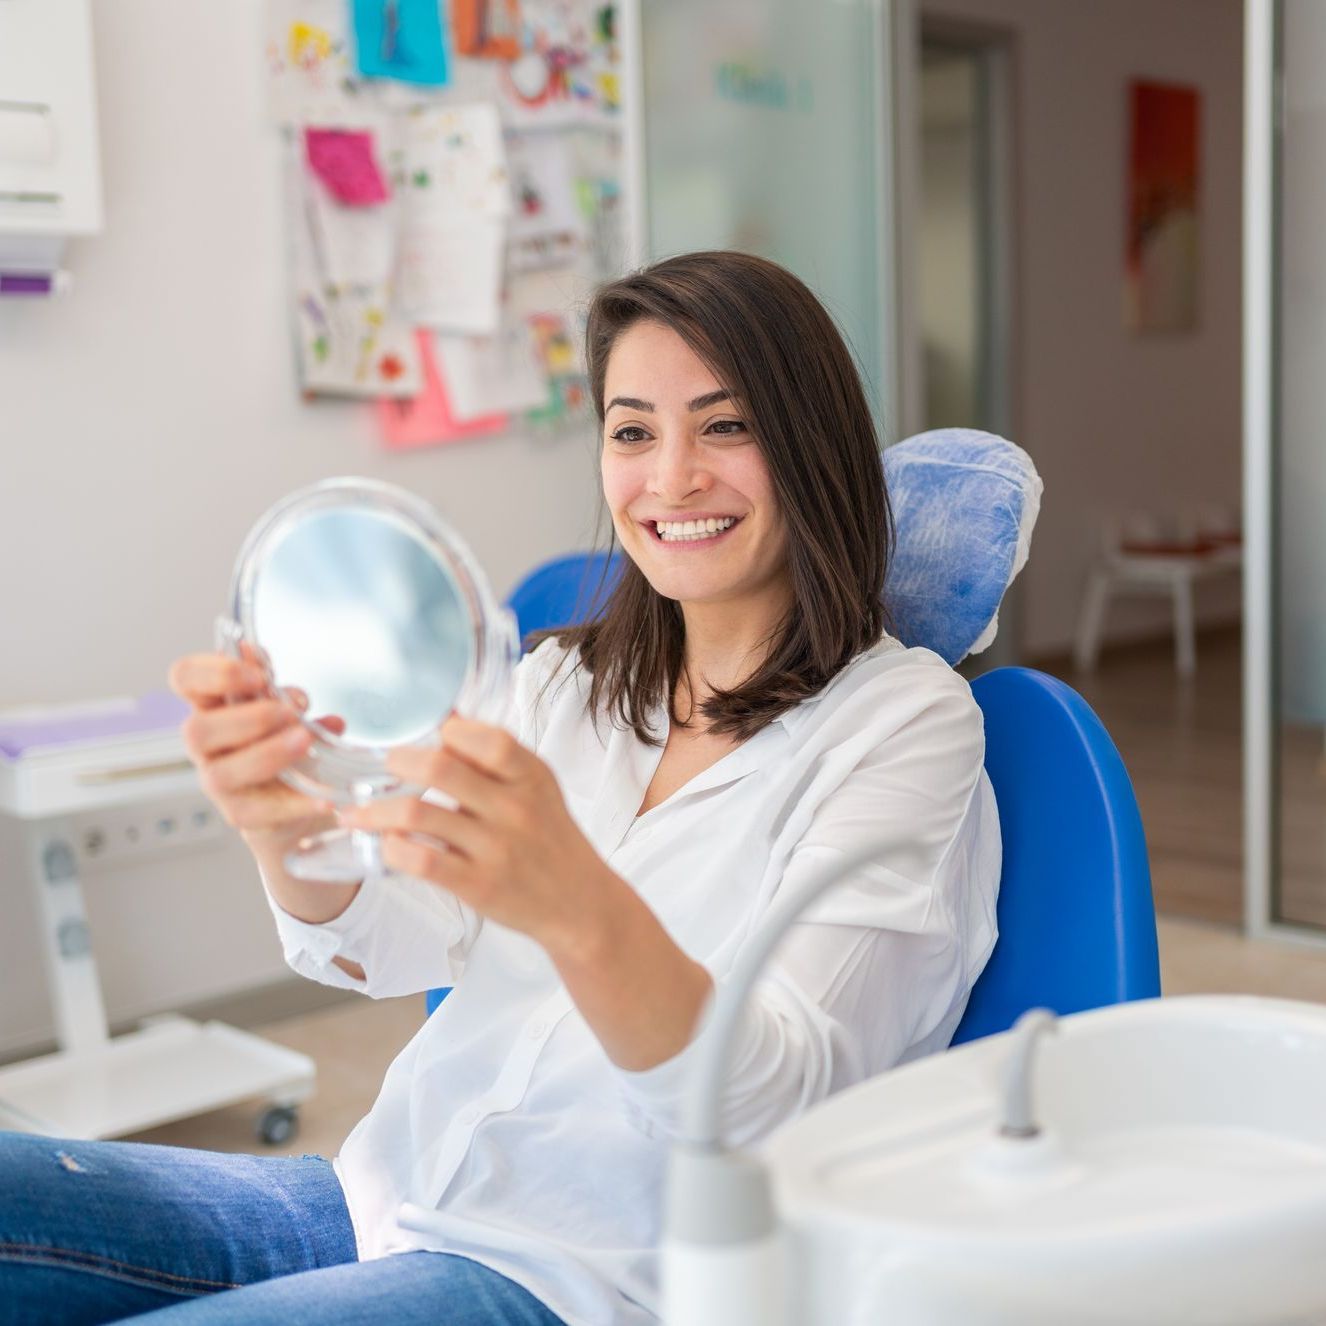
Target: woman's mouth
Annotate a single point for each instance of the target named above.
(703, 530)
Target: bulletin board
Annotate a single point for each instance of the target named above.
(453, 178)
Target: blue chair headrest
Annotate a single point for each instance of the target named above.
(964, 504)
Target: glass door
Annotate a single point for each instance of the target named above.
(764, 130)
(1299, 472)
(1285, 467)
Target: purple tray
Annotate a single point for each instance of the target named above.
(158, 711)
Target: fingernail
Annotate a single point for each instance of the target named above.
(298, 737)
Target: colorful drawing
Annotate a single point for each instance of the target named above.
(566, 71)
(488, 29)
(1160, 291)
(309, 45)
(347, 343)
(308, 63)
(556, 349)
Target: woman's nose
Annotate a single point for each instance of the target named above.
(678, 471)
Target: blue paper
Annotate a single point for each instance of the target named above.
(401, 39)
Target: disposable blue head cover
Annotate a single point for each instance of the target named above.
(964, 504)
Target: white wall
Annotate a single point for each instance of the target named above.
(145, 422)
(1116, 422)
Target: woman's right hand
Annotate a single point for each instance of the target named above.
(240, 739)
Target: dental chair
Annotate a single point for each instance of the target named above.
(1077, 925)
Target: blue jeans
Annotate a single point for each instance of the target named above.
(107, 1231)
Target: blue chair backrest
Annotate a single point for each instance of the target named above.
(565, 591)
(1077, 925)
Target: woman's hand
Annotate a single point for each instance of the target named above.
(512, 852)
(241, 739)
(510, 849)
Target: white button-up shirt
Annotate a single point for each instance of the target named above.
(503, 1132)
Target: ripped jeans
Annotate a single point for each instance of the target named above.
(111, 1231)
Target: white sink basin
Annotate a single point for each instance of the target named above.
(1180, 1178)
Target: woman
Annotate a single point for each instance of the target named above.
(735, 718)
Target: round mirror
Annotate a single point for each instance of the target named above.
(359, 594)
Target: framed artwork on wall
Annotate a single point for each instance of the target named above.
(1162, 259)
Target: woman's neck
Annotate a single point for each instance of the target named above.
(728, 642)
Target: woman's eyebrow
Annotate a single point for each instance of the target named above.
(699, 403)
(711, 398)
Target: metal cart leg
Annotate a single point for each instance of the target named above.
(66, 941)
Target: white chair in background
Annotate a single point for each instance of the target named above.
(1148, 561)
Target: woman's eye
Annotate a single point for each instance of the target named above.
(629, 433)
(727, 427)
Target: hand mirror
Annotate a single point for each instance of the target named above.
(359, 594)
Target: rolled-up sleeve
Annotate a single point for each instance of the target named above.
(408, 936)
(879, 970)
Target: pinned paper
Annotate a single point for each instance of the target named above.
(548, 228)
(449, 274)
(308, 62)
(493, 374)
(455, 198)
(401, 39)
(349, 346)
(488, 29)
(347, 339)
(343, 160)
(454, 161)
(429, 418)
(358, 244)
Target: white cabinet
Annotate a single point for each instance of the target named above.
(50, 177)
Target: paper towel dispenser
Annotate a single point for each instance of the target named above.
(50, 177)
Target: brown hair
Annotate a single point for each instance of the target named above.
(771, 343)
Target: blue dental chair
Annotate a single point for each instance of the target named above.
(1077, 925)
(564, 591)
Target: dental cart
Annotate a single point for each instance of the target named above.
(53, 766)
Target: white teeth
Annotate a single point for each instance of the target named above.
(672, 531)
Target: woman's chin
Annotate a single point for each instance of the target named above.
(695, 591)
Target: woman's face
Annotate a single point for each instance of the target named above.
(683, 476)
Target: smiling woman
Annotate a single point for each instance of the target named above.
(742, 471)
(587, 876)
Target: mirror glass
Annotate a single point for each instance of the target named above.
(356, 611)
(359, 594)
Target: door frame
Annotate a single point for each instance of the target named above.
(996, 48)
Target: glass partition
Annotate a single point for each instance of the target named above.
(1298, 473)
(765, 132)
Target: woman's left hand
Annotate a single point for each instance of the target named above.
(510, 850)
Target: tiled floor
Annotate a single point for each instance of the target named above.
(1181, 745)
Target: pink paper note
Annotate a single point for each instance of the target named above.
(343, 160)
(427, 419)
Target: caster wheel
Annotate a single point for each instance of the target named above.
(278, 1124)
